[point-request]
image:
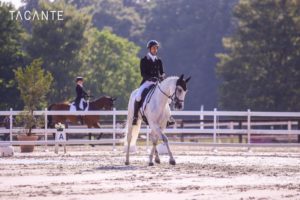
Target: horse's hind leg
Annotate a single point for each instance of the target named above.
(97, 125)
(129, 137)
(166, 141)
(90, 136)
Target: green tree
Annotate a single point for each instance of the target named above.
(124, 19)
(34, 84)
(111, 65)
(260, 69)
(190, 32)
(58, 43)
(11, 55)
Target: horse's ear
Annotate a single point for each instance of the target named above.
(181, 77)
(187, 80)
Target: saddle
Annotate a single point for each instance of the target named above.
(146, 96)
(83, 105)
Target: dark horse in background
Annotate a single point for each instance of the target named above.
(102, 103)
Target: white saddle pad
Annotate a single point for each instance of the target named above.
(73, 107)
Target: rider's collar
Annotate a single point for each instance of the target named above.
(80, 84)
(153, 57)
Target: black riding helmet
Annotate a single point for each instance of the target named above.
(152, 43)
(79, 78)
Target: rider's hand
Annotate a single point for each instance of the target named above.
(153, 79)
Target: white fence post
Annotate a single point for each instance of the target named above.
(114, 129)
(10, 125)
(215, 126)
(201, 117)
(289, 130)
(249, 126)
(46, 126)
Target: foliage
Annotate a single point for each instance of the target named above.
(34, 84)
(124, 19)
(190, 32)
(58, 43)
(257, 70)
(260, 69)
(11, 55)
(110, 65)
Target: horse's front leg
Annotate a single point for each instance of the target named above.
(154, 138)
(67, 126)
(157, 159)
(166, 141)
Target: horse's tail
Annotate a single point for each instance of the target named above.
(130, 128)
(49, 125)
(134, 132)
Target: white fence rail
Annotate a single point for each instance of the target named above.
(214, 128)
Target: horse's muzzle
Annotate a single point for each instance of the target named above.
(178, 106)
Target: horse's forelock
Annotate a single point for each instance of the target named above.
(182, 83)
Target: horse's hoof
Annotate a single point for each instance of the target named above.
(151, 164)
(172, 162)
(157, 161)
(126, 163)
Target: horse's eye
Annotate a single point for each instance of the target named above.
(179, 90)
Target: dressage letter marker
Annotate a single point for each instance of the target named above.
(60, 136)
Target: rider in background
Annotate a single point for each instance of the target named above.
(81, 94)
(151, 70)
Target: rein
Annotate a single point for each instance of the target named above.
(173, 97)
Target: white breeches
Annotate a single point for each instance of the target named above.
(146, 84)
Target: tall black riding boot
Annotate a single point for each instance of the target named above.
(136, 112)
(79, 118)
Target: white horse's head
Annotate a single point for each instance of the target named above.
(178, 90)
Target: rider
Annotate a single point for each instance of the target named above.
(81, 94)
(151, 70)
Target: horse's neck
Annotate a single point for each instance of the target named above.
(94, 105)
(167, 88)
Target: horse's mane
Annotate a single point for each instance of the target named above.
(172, 77)
(101, 97)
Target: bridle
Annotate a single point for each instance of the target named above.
(173, 97)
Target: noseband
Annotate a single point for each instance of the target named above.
(173, 97)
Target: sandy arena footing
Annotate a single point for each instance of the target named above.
(99, 173)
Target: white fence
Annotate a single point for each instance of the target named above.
(214, 128)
